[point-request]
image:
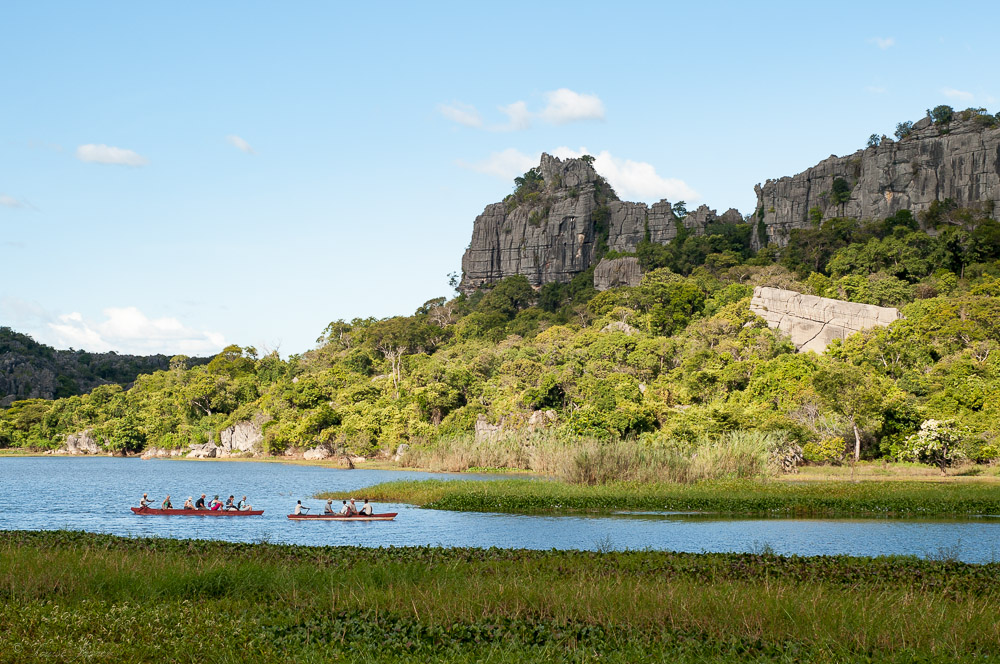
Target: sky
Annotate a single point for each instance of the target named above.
(177, 177)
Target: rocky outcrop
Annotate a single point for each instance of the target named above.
(243, 436)
(556, 233)
(617, 272)
(813, 322)
(160, 453)
(81, 443)
(959, 160)
(316, 454)
(203, 451)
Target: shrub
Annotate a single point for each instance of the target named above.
(828, 450)
(936, 443)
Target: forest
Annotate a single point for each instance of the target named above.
(676, 364)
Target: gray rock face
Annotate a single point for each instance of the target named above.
(203, 451)
(555, 237)
(813, 322)
(959, 160)
(317, 454)
(81, 443)
(617, 272)
(242, 436)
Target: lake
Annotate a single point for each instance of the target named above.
(94, 494)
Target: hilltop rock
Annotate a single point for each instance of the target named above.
(555, 233)
(813, 322)
(81, 443)
(617, 272)
(959, 160)
(242, 436)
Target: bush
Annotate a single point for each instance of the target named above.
(828, 450)
(936, 443)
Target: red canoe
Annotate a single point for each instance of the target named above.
(148, 511)
(386, 516)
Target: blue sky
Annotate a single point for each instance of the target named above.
(179, 176)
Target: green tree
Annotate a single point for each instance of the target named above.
(854, 393)
(936, 443)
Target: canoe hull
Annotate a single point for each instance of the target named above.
(387, 516)
(149, 511)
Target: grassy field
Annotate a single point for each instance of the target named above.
(829, 498)
(70, 596)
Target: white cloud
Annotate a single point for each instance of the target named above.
(952, 93)
(463, 114)
(128, 330)
(883, 42)
(107, 154)
(505, 165)
(634, 180)
(875, 89)
(10, 201)
(518, 117)
(239, 144)
(561, 106)
(564, 106)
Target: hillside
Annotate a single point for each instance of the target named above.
(30, 370)
(558, 375)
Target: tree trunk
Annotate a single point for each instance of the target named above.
(857, 442)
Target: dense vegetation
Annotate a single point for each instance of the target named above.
(83, 597)
(673, 365)
(868, 499)
(31, 369)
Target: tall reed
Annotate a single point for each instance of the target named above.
(734, 455)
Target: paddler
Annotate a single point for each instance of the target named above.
(144, 503)
(299, 508)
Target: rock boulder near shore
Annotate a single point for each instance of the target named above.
(812, 322)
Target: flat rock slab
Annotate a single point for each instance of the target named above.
(813, 322)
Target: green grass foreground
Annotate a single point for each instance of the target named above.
(70, 596)
(743, 497)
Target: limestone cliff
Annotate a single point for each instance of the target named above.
(959, 160)
(559, 229)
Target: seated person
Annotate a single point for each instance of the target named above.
(230, 505)
(216, 504)
(328, 508)
(166, 503)
(351, 509)
(367, 508)
(188, 505)
(200, 503)
(144, 503)
(299, 509)
(244, 505)
(345, 510)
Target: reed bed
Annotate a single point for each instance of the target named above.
(82, 597)
(861, 499)
(734, 455)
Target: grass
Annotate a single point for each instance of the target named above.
(830, 498)
(70, 596)
(738, 454)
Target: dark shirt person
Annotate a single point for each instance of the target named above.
(230, 505)
(200, 503)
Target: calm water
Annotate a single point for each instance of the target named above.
(94, 494)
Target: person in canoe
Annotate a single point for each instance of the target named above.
(188, 505)
(166, 505)
(200, 503)
(328, 508)
(351, 509)
(243, 505)
(299, 508)
(216, 504)
(230, 504)
(366, 509)
(144, 503)
(345, 510)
